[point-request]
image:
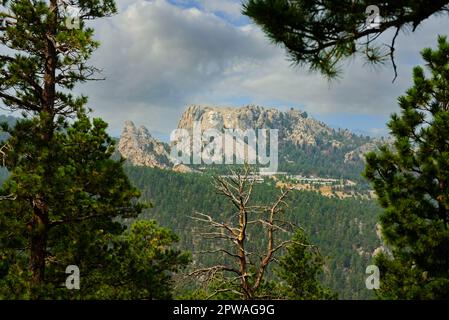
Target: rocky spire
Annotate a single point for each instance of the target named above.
(139, 148)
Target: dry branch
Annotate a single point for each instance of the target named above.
(238, 188)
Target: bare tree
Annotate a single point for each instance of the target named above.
(243, 271)
(3, 153)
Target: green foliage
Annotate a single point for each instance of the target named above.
(411, 181)
(48, 57)
(241, 273)
(4, 174)
(299, 268)
(43, 58)
(9, 121)
(344, 230)
(218, 289)
(65, 200)
(322, 33)
(84, 192)
(140, 264)
(323, 160)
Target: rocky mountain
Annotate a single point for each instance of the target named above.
(359, 153)
(293, 125)
(139, 148)
(306, 145)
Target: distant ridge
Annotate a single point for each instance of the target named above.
(306, 145)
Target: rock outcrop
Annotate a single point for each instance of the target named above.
(139, 148)
(293, 125)
(295, 129)
(359, 153)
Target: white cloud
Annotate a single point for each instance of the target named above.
(159, 57)
(232, 8)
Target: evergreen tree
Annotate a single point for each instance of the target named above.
(140, 264)
(45, 56)
(300, 268)
(83, 192)
(322, 33)
(411, 181)
(66, 199)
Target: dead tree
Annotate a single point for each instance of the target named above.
(244, 271)
(3, 153)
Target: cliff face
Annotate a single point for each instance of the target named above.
(139, 148)
(358, 154)
(293, 125)
(306, 145)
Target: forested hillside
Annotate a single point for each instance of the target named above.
(322, 160)
(343, 229)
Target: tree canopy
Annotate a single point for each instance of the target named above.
(43, 58)
(299, 268)
(66, 201)
(411, 180)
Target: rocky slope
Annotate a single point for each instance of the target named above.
(293, 125)
(139, 148)
(358, 154)
(306, 145)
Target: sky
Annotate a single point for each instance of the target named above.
(160, 56)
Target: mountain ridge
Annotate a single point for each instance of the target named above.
(304, 142)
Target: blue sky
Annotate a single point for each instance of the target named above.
(160, 56)
(228, 10)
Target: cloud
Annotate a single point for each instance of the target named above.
(160, 56)
(231, 8)
(157, 56)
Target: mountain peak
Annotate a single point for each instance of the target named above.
(294, 125)
(129, 126)
(306, 145)
(139, 148)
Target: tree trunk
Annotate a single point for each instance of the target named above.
(40, 222)
(48, 97)
(38, 247)
(247, 292)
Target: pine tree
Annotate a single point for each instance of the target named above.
(141, 263)
(83, 192)
(300, 268)
(411, 179)
(65, 200)
(322, 33)
(45, 57)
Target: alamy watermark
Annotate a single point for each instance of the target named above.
(227, 146)
(373, 280)
(373, 19)
(72, 282)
